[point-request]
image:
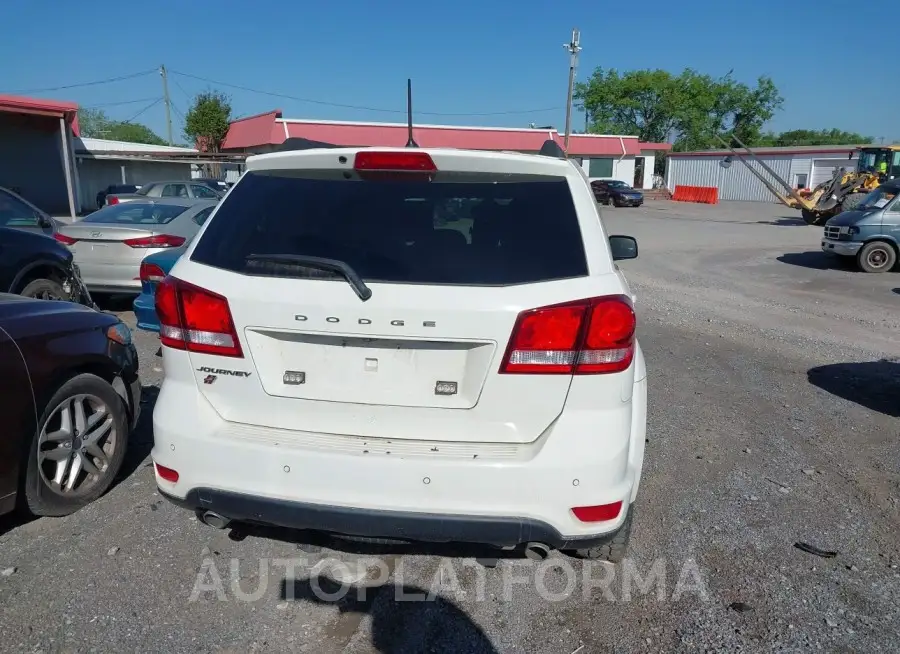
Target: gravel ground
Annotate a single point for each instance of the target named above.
(773, 420)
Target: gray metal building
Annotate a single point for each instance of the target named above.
(800, 166)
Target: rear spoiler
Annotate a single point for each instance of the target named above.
(298, 143)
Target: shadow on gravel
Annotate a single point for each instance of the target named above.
(897, 291)
(784, 221)
(141, 441)
(114, 303)
(410, 621)
(874, 384)
(816, 261)
(14, 520)
(313, 542)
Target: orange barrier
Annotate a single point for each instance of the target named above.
(701, 194)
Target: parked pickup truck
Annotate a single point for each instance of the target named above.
(870, 233)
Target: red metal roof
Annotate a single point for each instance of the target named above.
(17, 104)
(270, 129)
(253, 131)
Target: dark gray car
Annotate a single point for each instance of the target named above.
(182, 189)
(19, 213)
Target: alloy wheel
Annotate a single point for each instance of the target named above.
(76, 445)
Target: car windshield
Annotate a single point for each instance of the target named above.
(136, 213)
(145, 189)
(464, 229)
(617, 184)
(877, 199)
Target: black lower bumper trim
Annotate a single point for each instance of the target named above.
(367, 523)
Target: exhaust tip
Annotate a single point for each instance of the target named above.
(214, 519)
(537, 551)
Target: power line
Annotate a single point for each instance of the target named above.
(108, 80)
(181, 88)
(358, 107)
(149, 106)
(116, 104)
(179, 113)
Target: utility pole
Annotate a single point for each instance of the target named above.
(165, 81)
(573, 48)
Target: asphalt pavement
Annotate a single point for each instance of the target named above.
(768, 515)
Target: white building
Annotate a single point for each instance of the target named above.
(799, 166)
(101, 162)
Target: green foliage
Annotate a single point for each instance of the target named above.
(94, 123)
(688, 108)
(814, 137)
(206, 122)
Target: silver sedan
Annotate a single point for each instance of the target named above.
(110, 244)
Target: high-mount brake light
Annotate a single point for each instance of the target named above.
(585, 337)
(394, 162)
(194, 319)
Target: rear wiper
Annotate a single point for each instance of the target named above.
(334, 265)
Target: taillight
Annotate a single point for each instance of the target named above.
(65, 240)
(152, 273)
(592, 336)
(158, 241)
(194, 319)
(112, 199)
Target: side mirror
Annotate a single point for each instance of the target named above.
(623, 247)
(44, 221)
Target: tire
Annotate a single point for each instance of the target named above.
(809, 217)
(44, 289)
(613, 551)
(44, 497)
(852, 201)
(876, 257)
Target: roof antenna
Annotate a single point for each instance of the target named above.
(411, 143)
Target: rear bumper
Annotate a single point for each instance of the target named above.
(844, 248)
(111, 278)
(367, 523)
(145, 312)
(254, 474)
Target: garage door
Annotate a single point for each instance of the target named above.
(823, 169)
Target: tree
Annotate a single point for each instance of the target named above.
(206, 122)
(94, 123)
(814, 137)
(688, 108)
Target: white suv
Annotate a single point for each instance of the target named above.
(411, 344)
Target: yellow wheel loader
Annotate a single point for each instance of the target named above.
(843, 192)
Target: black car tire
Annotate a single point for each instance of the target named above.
(44, 289)
(39, 498)
(876, 257)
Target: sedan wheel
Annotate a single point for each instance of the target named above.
(45, 289)
(76, 445)
(79, 449)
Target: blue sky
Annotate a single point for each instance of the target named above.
(465, 57)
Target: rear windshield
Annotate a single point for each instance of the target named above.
(127, 188)
(458, 229)
(136, 213)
